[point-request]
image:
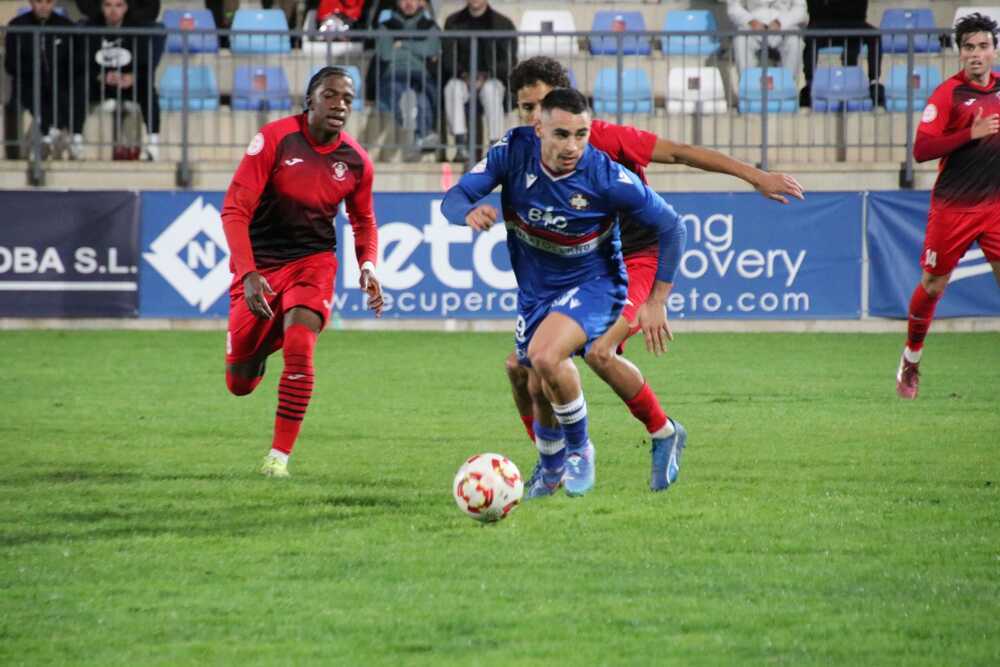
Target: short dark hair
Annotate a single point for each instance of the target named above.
(322, 73)
(538, 69)
(567, 99)
(973, 23)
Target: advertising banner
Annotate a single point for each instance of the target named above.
(69, 254)
(185, 259)
(751, 258)
(896, 224)
(746, 257)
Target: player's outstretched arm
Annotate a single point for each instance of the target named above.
(772, 185)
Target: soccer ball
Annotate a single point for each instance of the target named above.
(488, 487)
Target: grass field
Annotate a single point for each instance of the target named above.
(818, 519)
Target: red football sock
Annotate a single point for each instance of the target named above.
(922, 307)
(295, 387)
(528, 420)
(645, 407)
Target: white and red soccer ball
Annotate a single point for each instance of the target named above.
(488, 487)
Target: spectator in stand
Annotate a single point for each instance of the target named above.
(408, 64)
(842, 15)
(123, 68)
(61, 80)
(496, 57)
(763, 16)
(222, 14)
(140, 12)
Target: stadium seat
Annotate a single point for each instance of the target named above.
(782, 94)
(248, 21)
(924, 79)
(692, 45)
(203, 91)
(329, 47)
(607, 20)
(695, 89)
(359, 84)
(190, 19)
(840, 89)
(260, 89)
(550, 22)
(899, 19)
(637, 91)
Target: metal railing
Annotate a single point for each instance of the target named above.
(700, 104)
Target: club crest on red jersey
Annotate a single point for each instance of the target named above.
(339, 171)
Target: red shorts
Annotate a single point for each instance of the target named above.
(950, 233)
(641, 270)
(306, 282)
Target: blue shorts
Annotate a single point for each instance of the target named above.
(594, 305)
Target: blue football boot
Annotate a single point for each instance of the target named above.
(666, 454)
(580, 470)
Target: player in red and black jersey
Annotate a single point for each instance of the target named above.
(960, 125)
(278, 217)
(635, 149)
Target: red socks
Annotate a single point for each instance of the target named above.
(528, 422)
(295, 387)
(645, 407)
(922, 307)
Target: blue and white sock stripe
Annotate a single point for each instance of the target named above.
(571, 412)
(548, 441)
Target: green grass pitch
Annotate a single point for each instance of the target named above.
(817, 520)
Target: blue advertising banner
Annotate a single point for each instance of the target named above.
(746, 258)
(185, 259)
(69, 254)
(752, 258)
(896, 224)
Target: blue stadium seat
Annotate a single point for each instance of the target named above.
(203, 91)
(924, 79)
(637, 91)
(190, 19)
(692, 45)
(898, 19)
(359, 84)
(260, 89)
(618, 21)
(782, 95)
(248, 20)
(840, 89)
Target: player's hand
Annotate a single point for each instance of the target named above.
(776, 186)
(372, 287)
(481, 218)
(255, 291)
(984, 127)
(655, 328)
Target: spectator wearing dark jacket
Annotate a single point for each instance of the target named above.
(495, 59)
(141, 12)
(61, 71)
(408, 64)
(123, 67)
(841, 15)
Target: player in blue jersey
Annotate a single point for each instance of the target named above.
(561, 202)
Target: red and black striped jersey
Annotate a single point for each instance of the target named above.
(968, 172)
(284, 196)
(632, 149)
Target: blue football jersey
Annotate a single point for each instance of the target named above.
(562, 229)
